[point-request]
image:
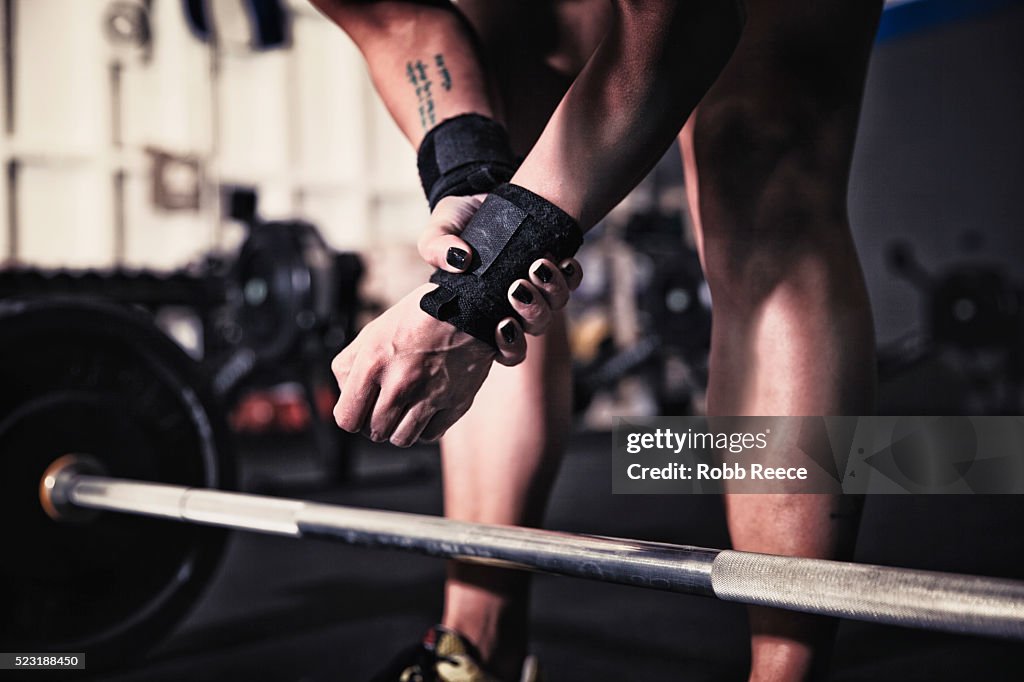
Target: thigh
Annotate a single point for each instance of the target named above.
(782, 116)
(799, 56)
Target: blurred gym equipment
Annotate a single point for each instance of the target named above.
(275, 313)
(974, 327)
(670, 307)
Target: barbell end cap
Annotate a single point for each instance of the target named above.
(55, 487)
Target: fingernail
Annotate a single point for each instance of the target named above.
(544, 273)
(522, 294)
(569, 269)
(456, 257)
(508, 332)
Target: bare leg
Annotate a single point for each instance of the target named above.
(767, 156)
(500, 459)
(499, 465)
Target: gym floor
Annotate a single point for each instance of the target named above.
(283, 610)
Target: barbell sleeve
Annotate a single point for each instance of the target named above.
(913, 598)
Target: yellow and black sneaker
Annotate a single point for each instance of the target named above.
(444, 656)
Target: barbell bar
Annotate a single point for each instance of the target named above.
(929, 600)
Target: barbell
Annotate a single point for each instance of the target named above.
(104, 414)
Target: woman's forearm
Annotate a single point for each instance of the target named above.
(421, 56)
(622, 112)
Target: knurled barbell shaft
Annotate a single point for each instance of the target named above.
(913, 598)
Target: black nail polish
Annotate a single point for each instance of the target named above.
(456, 257)
(544, 273)
(522, 294)
(508, 332)
(569, 269)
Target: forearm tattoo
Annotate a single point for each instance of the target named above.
(446, 78)
(419, 75)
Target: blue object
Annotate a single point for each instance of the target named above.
(268, 21)
(916, 15)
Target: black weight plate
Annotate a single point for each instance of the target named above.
(101, 380)
(286, 287)
(275, 290)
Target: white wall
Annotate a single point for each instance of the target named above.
(302, 124)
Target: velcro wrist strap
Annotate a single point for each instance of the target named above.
(464, 155)
(511, 229)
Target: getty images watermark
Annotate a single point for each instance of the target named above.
(948, 455)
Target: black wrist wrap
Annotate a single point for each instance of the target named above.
(511, 229)
(464, 155)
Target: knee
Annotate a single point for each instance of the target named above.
(772, 195)
(779, 160)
